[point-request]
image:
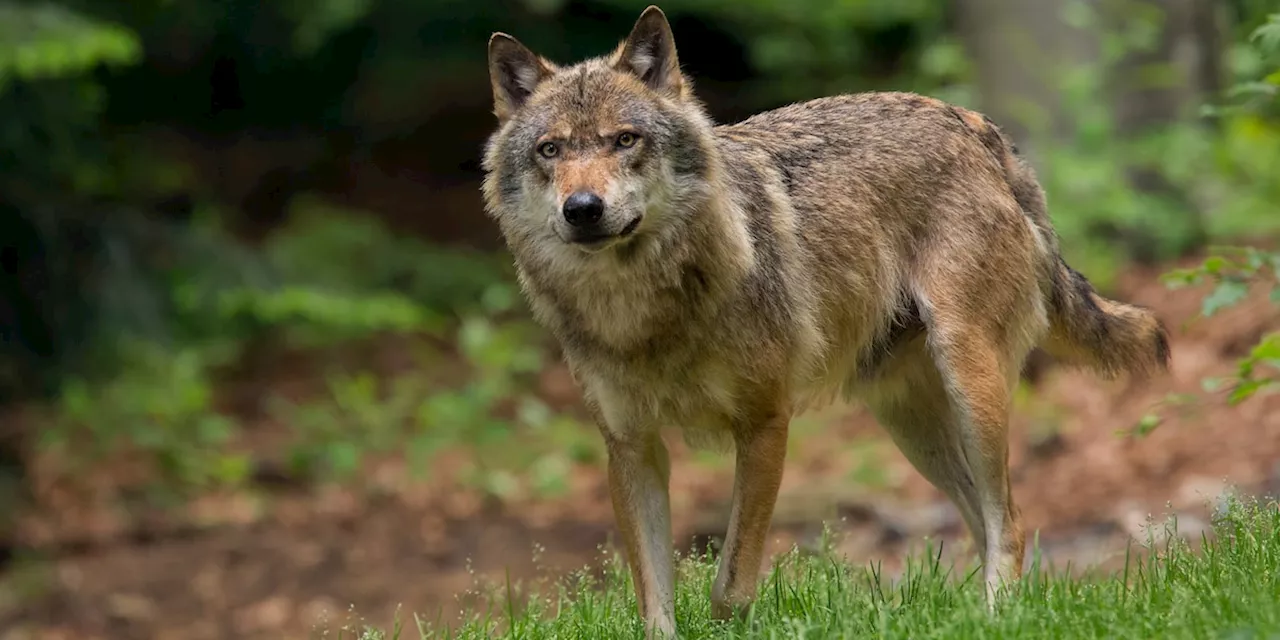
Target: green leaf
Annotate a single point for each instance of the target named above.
(498, 298)
(214, 429)
(302, 460)
(475, 335)
(1178, 278)
(1227, 293)
(232, 469)
(1215, 264)
(551, 475)
(1268, 35)
(502, 484)
(344, 458)
(534, 412)
(1146, 425)
(1267, 350)
(1255, 259)
(1246, 389)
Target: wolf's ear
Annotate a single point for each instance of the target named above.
(650, 53)
(514, 72)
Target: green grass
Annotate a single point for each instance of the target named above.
(1228, 588)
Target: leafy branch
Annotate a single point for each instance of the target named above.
(1233, 270)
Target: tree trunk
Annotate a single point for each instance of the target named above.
(1020, 49)
(1161, 86)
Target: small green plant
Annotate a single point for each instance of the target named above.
(480, 400)
(351, 251)
(160, 408)
(1233, 270)
(495, 407)
(331, 437)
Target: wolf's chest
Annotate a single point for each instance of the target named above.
(701, 394)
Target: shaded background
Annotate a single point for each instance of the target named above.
(262, 358)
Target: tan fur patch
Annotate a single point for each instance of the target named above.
(973, 119)
(591, 173)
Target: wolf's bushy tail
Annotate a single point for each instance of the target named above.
(1107, 336)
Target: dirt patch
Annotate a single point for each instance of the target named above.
(276, 563)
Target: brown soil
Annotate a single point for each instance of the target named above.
(278, 562)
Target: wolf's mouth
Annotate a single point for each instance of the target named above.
(630, 228)
(600, 241)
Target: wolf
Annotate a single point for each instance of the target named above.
(885, 247)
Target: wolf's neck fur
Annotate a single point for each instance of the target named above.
(695, 256)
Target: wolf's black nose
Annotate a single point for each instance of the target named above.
(583, 208)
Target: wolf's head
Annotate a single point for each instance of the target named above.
(594, 155)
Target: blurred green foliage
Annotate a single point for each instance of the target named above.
(160, 405)
(50, 41)
(1217, 173)
(803, 48)
(1235, 272)
(326, 244)
(160, 412)
(1232, 270)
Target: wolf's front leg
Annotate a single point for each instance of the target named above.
(761, 445)
(639, 470)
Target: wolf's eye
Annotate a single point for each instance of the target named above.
(627, 139)
(548, 150)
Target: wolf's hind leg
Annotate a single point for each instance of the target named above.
(911, 403)
(979, 380)
(947, 413)
(979, 329)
